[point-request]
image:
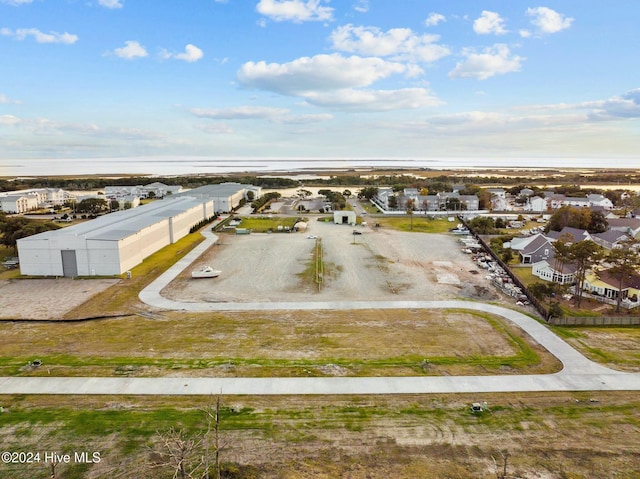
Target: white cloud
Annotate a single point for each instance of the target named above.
(547, 20)
(276, 115)
(489, 22)
(401, 43)
(40, 37)
(618, 107)
(216, 128)
(191, 54)
(434, 18)
(16, 3)
(9, 120)
(362, 6)
(374, 100)
(295, 10)
(321, 72)
(111, 3)
(306, 119)
(524, 33)
(131, 50)
(240, 113)
(495, 60)
(5, 100)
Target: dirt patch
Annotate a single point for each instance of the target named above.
(379, 264)
(46, 298)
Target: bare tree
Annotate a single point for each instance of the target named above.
(178, 451)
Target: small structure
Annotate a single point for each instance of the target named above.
(344, 218)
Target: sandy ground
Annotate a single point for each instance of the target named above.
(46, 298)
(379, 264)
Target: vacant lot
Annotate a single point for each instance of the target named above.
(46, 298)
(379, 264)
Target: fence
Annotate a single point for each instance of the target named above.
(596, 321)
(532, 299)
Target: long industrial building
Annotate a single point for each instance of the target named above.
(114, 243)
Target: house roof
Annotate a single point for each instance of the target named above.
(562, 268)
(611, 236)
(577, 234)
(633, 223)
(539, 242)
(609, 277)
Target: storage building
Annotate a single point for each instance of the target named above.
(114, 243)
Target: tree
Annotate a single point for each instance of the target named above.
(302, 193)
(92, 205)
(410, 205)
(625, 260)
(598, 223)
(482, 225)
(250, 196)
(346, 193)
(583, 254)
(569, 216)
(114, 205)
(15, 228)
(368, 192)
(393, 202)
(500, 224)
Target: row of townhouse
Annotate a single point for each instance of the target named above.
(154, 190)
(552, 201)
(442, 201)
(23, 201)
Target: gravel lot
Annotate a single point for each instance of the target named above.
(46, 298)
(377, 265)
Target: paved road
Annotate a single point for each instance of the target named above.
(578, 373)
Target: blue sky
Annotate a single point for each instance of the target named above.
(313, 78)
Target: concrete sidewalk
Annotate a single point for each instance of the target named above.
(578, 374)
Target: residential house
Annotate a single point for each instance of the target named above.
(606, 283)
(572, 235)
(499, 192)
(610, 239)
(554, 272)
(600, 200)
(526, 192)
(535, 203)
(540, 249)
(631, 226)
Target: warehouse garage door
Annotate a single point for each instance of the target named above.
(69, 263)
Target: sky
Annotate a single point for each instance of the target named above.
(319, 78)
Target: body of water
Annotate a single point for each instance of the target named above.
(213, 166)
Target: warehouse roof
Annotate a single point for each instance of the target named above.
(121, 224)
(213, 191)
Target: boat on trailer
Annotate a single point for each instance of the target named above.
(205, 272)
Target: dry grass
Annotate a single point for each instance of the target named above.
(410, 436)
(286, 343)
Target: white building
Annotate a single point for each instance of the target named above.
(226, 196)
(19, 203)
(535, 203)
(111, 244)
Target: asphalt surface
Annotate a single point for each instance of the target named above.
(578, 373)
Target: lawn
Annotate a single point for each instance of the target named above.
(266, 224)
(417, 224)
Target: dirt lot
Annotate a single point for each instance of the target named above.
(46, 298)
(379, 264)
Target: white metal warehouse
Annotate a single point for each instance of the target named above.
(114, 243)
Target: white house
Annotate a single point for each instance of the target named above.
(20, 203)
(600, 200)
(535, 203)
(561, 273)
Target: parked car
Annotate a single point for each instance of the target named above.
(356, 232)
